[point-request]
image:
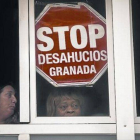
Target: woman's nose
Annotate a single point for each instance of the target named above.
(14, 100)
(70, 109)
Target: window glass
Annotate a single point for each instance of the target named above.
(53, 99)
(73, 137)
(9, 59)
(136, 37)
(137, 137)
(9, 137)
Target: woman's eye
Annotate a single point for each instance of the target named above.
(75, 105)
(63, 107)
(9, 95)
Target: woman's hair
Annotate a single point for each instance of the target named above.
(56, 95)
(1, 88)
(4, 85)
(13, 119)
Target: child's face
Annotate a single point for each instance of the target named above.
(68, 107)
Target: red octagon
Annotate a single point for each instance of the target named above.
(71, 46)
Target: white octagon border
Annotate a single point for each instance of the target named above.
(44, 75)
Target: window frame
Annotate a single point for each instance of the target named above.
(65, 120)
(23, 61)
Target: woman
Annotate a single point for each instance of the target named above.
(7, 105)
(65, 102)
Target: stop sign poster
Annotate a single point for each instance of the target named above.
(71, 44)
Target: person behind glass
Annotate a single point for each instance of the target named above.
(65, 102)
(7, 105)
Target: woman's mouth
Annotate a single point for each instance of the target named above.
(12, 107)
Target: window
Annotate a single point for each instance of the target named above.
(99, 101)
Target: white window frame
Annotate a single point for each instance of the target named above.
(136, 118)
(60, 120)
(23, 61)
(123, 54)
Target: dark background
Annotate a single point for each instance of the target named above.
(9, 44)
(136, 42)
(98, 5)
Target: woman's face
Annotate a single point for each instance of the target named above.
(7, 101)
(68, 107)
